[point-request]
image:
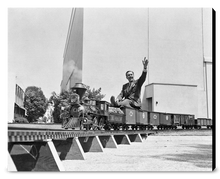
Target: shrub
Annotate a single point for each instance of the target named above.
(20, 120)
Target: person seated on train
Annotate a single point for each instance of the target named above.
(130, 93)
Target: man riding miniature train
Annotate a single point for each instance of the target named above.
(130, 93)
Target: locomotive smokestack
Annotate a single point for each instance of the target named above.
(80, 89)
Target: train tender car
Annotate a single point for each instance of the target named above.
(141, 120)
(115, 119)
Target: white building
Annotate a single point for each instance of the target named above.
(182, 83)
(15, 99)
(103, 43)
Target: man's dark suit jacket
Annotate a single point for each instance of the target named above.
(133, 92)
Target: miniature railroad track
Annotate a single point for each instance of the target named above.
(38, 132)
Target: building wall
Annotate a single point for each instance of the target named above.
(19, 110)
(11, 96)
(177, 56)
(207, 34)
(172, 98)
(175, 46)
(15, 99)
(209, 88)
(19, 96)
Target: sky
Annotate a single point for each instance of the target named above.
(37, 38)
(36, 41)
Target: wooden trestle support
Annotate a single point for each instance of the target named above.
(44, 150)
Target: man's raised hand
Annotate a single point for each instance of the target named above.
(145, 62)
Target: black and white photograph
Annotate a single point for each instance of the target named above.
(111, 89)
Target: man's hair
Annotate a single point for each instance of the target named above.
(128, 72)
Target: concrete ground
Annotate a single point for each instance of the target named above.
(163, 151)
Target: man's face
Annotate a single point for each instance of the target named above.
(130, 76)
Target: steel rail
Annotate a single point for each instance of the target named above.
(25, 133)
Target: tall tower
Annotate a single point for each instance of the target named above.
(73, 53)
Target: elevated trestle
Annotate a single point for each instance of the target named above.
(31, 149)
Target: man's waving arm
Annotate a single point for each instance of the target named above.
(144, 73)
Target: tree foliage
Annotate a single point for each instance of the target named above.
(35, 103)
(20, 119)
(94, 94)
(59, 101)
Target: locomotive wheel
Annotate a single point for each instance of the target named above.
(94, 125)
(81, 126)
(107, 127)
(101, 124)
(87, 127)
(115, 127)
(124, 127)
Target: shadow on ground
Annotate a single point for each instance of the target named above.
(201, 157)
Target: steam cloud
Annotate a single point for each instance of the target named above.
(70, 67)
